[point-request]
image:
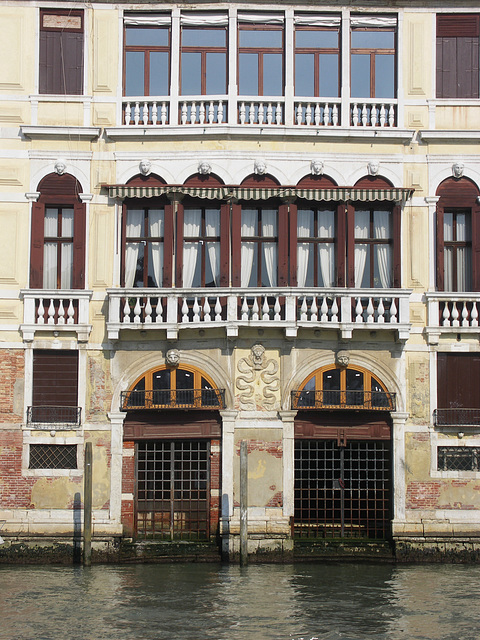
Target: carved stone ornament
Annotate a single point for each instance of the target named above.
(258, 381)
(145, 167)
(204, 168)
(342, 358)
(372, 167)
(60, 166)
(258, 356)
(458, 169)
(260, 167)
(172, 357)
(316, 167)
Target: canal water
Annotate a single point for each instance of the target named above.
(226, 602)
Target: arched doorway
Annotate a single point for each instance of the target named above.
(174, 427)
(343, 457)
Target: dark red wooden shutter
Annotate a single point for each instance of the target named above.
(397, 246)
(168, 247)
(293, 245)
(236, 245)
(440, 250)
(350, 246)
(79, 232)
(225, 245)
(55, 378)
(179, 261)
(458, 380)
(476, 246)
(283, 245)
(341, 244)
(36, 251)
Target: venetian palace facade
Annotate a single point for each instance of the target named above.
(228, 222)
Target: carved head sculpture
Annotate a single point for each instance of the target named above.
(260, 167)
(172, 357)
(372, 167)
(342, 358)
(145, 167)
(316, 167)
(204, 168)
(60, 166)
(457, 169)
(258, 355)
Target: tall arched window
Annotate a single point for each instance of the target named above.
(58, 235)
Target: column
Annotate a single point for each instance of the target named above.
(288, 417)
(399, 489)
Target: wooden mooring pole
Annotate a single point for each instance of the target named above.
(87, 506)
(243, 504)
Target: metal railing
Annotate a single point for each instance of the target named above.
(336, 399)
(50, 415)
(456, 417)
(173, 399)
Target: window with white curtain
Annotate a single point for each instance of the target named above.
(373, 235)
(144, 236)
(259, 247)
(58, 248)
(315, 247)
(457, 262)
(201, 246)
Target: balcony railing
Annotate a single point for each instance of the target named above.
(456, 417)
(369, 400)
(50, 416)
(56, 310)
(173, 399)
(450, 313)
(173, 310)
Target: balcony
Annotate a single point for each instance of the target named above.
(50, 417)
(452, 313)
(173, 399)
(342, 310)
(456, 417)
(55, 310)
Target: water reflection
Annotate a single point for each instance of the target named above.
(202, 602)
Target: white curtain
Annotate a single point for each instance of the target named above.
(317, 20)
(153, 20)
(134, 230)
(270, 249)
(191, 229)
(326, 229)
(50, 229)
(249, 220)
(448, 253)
(463, 253)
(381, 229)
(373, 21)
(66, 258)
(304, 230)
(155, 249)
(261, 18)
(212, 229)
(362, 219)
(204, 19)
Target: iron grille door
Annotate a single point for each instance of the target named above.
(342, 491)
(173, 489)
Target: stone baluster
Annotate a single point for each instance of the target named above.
(154, 113)
(51, 313)
(163, 113)
(269, 113)
(299, 113)
(196, 310)
(185, 311)
(206, 311)
(265, 309)
(148, 311)
(393, 312)
(359, 311)
(251, 114)
(70, 312)
(159, 311)
(137, 312)
(61, 313)
(380, 312)
(364, 115)
(201, 113)
(261, 113)
(370, 311)
(218, 310)
(193, 113)
(326, 115)
(145, 113)
(255, 309)
(128, 113)
(211, 112)
(446, 315)
(220, 112)
(277, 308)
(40, 312)
(308, 114)
(391, 115)
(242, 113)
(318, 114)
(303, 310)
(126, 312)
(184, 113)
(355, 115)
(245, 309)
(278, 113)
(136, 113)
(324, 310)
(373, 115)
(334, 311)
(335, 115)
(474, 315)
(383, 116)
(314, 310)
(455, 315)
(465, 320)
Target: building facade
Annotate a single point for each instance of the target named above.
(248, 222)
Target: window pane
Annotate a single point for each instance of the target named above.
(146, 36)
(67, 223)
(331, 386)
(161, 379)
(248, 74)
(448, 227)
(50, 265)
(272, 74)
(155, 264)
(184, 379)
(66, 276)
(50, 226)
(360, 75)
(385, 76)
(134, 73)
(216, 73)
(135, 250)
(159, 71)
(204, 37)
(304, 74)
(191, 73)
(316, 39)
(326, 224)
(260, 39)
(328, 82)
(155, 223)
(373, 39)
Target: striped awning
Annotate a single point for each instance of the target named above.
(334, 194)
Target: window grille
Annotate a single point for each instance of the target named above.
(53, 456)
(458, 458)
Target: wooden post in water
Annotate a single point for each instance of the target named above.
(243, 504)
(87, 506)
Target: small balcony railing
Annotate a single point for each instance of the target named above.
(173, 399)
(336, 399)
(49, 416)
(56, 310)
(456, 417)
(451, 312)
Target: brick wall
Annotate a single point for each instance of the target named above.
(12, 369)
(15, 490)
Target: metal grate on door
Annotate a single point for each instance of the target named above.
(173, 489)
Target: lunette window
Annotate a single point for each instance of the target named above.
(373, 64)
(203, 66)
(458, 56)
(61, 52)
(317, 61)
(147, 60)
(260, 60)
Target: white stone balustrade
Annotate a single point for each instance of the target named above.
(174, 310)
(56, 310)
(147, 111)
(318, 114)
(450, 313)
(261, 113)
(373, 114)
(203, 111)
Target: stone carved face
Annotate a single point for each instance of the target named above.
(145, 167)
(260, 167)
(373, 167)
(204, 168)
(457, 169)
(60, 166)
(316, 167)
(258, 355)
(172, 357)
(343, 358)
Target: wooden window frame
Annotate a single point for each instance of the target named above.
(203, 50)
(457, 26)
(316, 53)
(371, 241)
(373, 52)
(147, 50)
(261, 51)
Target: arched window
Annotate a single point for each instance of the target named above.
(335, 387)
(458, 236)
(58, 235)
(173, 388)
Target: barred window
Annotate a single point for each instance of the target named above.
(458, 458)
(53, 456)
